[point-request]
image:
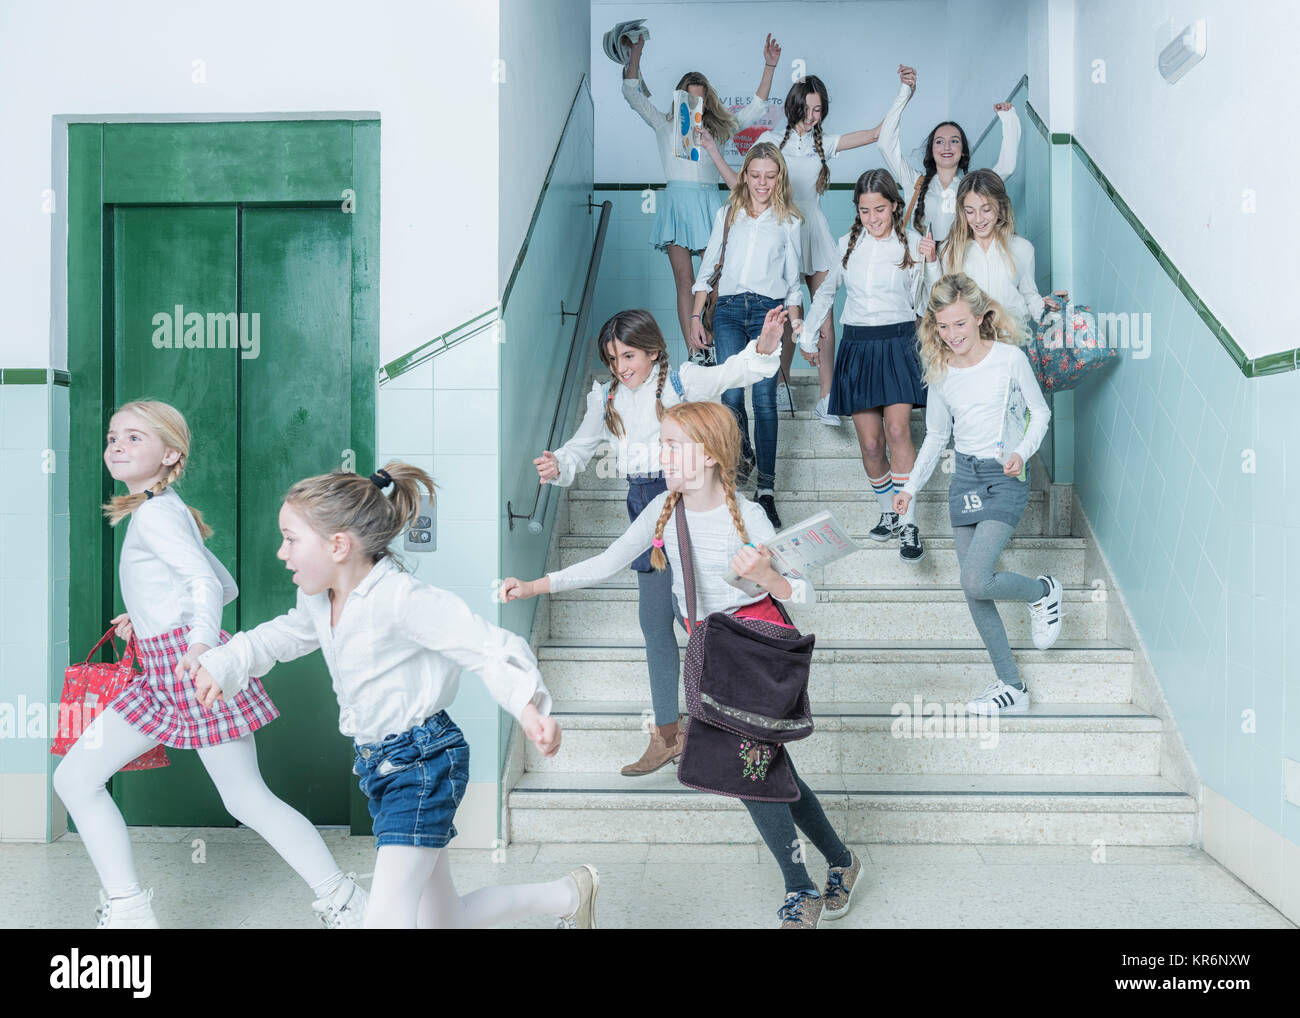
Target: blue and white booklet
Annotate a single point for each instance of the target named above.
(817, 541)
(1015, 422)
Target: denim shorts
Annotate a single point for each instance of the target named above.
(414, 781)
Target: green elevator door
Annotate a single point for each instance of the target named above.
(262, 415)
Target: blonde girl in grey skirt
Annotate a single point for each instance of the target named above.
(970, 348)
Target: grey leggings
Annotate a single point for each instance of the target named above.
(655, 612)
(978, 548)
(776, 823)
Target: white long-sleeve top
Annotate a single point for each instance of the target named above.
(168, 576)
(968, 404)
(703, 171)
(762, 257)
(940, 202)
(638, 448)
(394, 658)
(802, 161)
(714, 543)
(878, 291)
(1010, 284)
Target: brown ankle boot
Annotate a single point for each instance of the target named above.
(658, 753)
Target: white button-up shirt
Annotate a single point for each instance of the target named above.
(940, 202)
(638, 448)
(802, 161)
(1010, 284)
(879, 292)
(394, 658)
(168, 576)
(702, 171)
(762, 257)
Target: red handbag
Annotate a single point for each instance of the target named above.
(88, 689)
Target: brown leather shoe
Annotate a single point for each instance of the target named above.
(658, 753)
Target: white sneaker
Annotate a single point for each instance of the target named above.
(784, 398)
(823, 412)
(134, 912)
(345, 908)
(999, 698)
(1045, 615)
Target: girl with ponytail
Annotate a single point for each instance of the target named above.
(174, 589)
(886, 269)
(625, 412)
(931, 191)
(699, 446)
(395, 648)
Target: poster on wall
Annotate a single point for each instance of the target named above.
(773, 119)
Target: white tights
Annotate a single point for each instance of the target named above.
(110, 742)
(412, 889)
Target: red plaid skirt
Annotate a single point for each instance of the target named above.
(165, 707)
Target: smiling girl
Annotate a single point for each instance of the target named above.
(760, 226)
(699, 444)
(947, 158)
(174, 589)
(886, 270)
(395, 648)
(625, 412)
(969, 346)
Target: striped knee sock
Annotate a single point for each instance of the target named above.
(883, 486)
(910, 515)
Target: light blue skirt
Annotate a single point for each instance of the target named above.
(684, 214)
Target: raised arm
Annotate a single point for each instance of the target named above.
(1006, 164)
(891, 149)
(632, 90)
(707, 142)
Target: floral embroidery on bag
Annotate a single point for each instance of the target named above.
(757, 757)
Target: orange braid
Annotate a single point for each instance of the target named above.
(730, 493)
(657, 557)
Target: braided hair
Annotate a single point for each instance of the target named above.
(882, 183)
(638, 329)
(168, 425)
(931, 168)
(796, 106)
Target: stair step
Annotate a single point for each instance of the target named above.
(902, 808)
(603, 512)
(871, 738)
(912, 614)
(844, 671)
(879, 562)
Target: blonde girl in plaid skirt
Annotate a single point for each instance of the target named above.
(174, 589)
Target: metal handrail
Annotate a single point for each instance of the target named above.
(572, 373)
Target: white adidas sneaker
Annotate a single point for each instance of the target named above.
(134, 912)
(1045, 615)
(345, 908)
(999, 698)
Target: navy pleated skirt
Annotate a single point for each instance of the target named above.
(876, 366)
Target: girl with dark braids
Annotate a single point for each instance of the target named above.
(947, 158)
(625, 411)
(887, 270)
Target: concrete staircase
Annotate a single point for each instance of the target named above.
(894, 757)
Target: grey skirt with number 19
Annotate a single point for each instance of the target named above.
(979, 491)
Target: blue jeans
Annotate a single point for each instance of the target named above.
(737, 319)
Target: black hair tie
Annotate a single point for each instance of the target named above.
(381, 479)
(148, 494)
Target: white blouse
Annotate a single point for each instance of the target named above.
(1010, 284)
(714, 543)
(168, 576)
(394, 658)
(675, 168)
(940, 202)
(638, 449)
(879, 292)
(802, 161)
(762, 257)
(967, 403)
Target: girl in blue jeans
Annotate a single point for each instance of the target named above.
(755, 240)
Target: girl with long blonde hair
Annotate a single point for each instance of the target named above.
(972, 358)
(699, 445)
(174, 589)
(684, 209)
(758, 271)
